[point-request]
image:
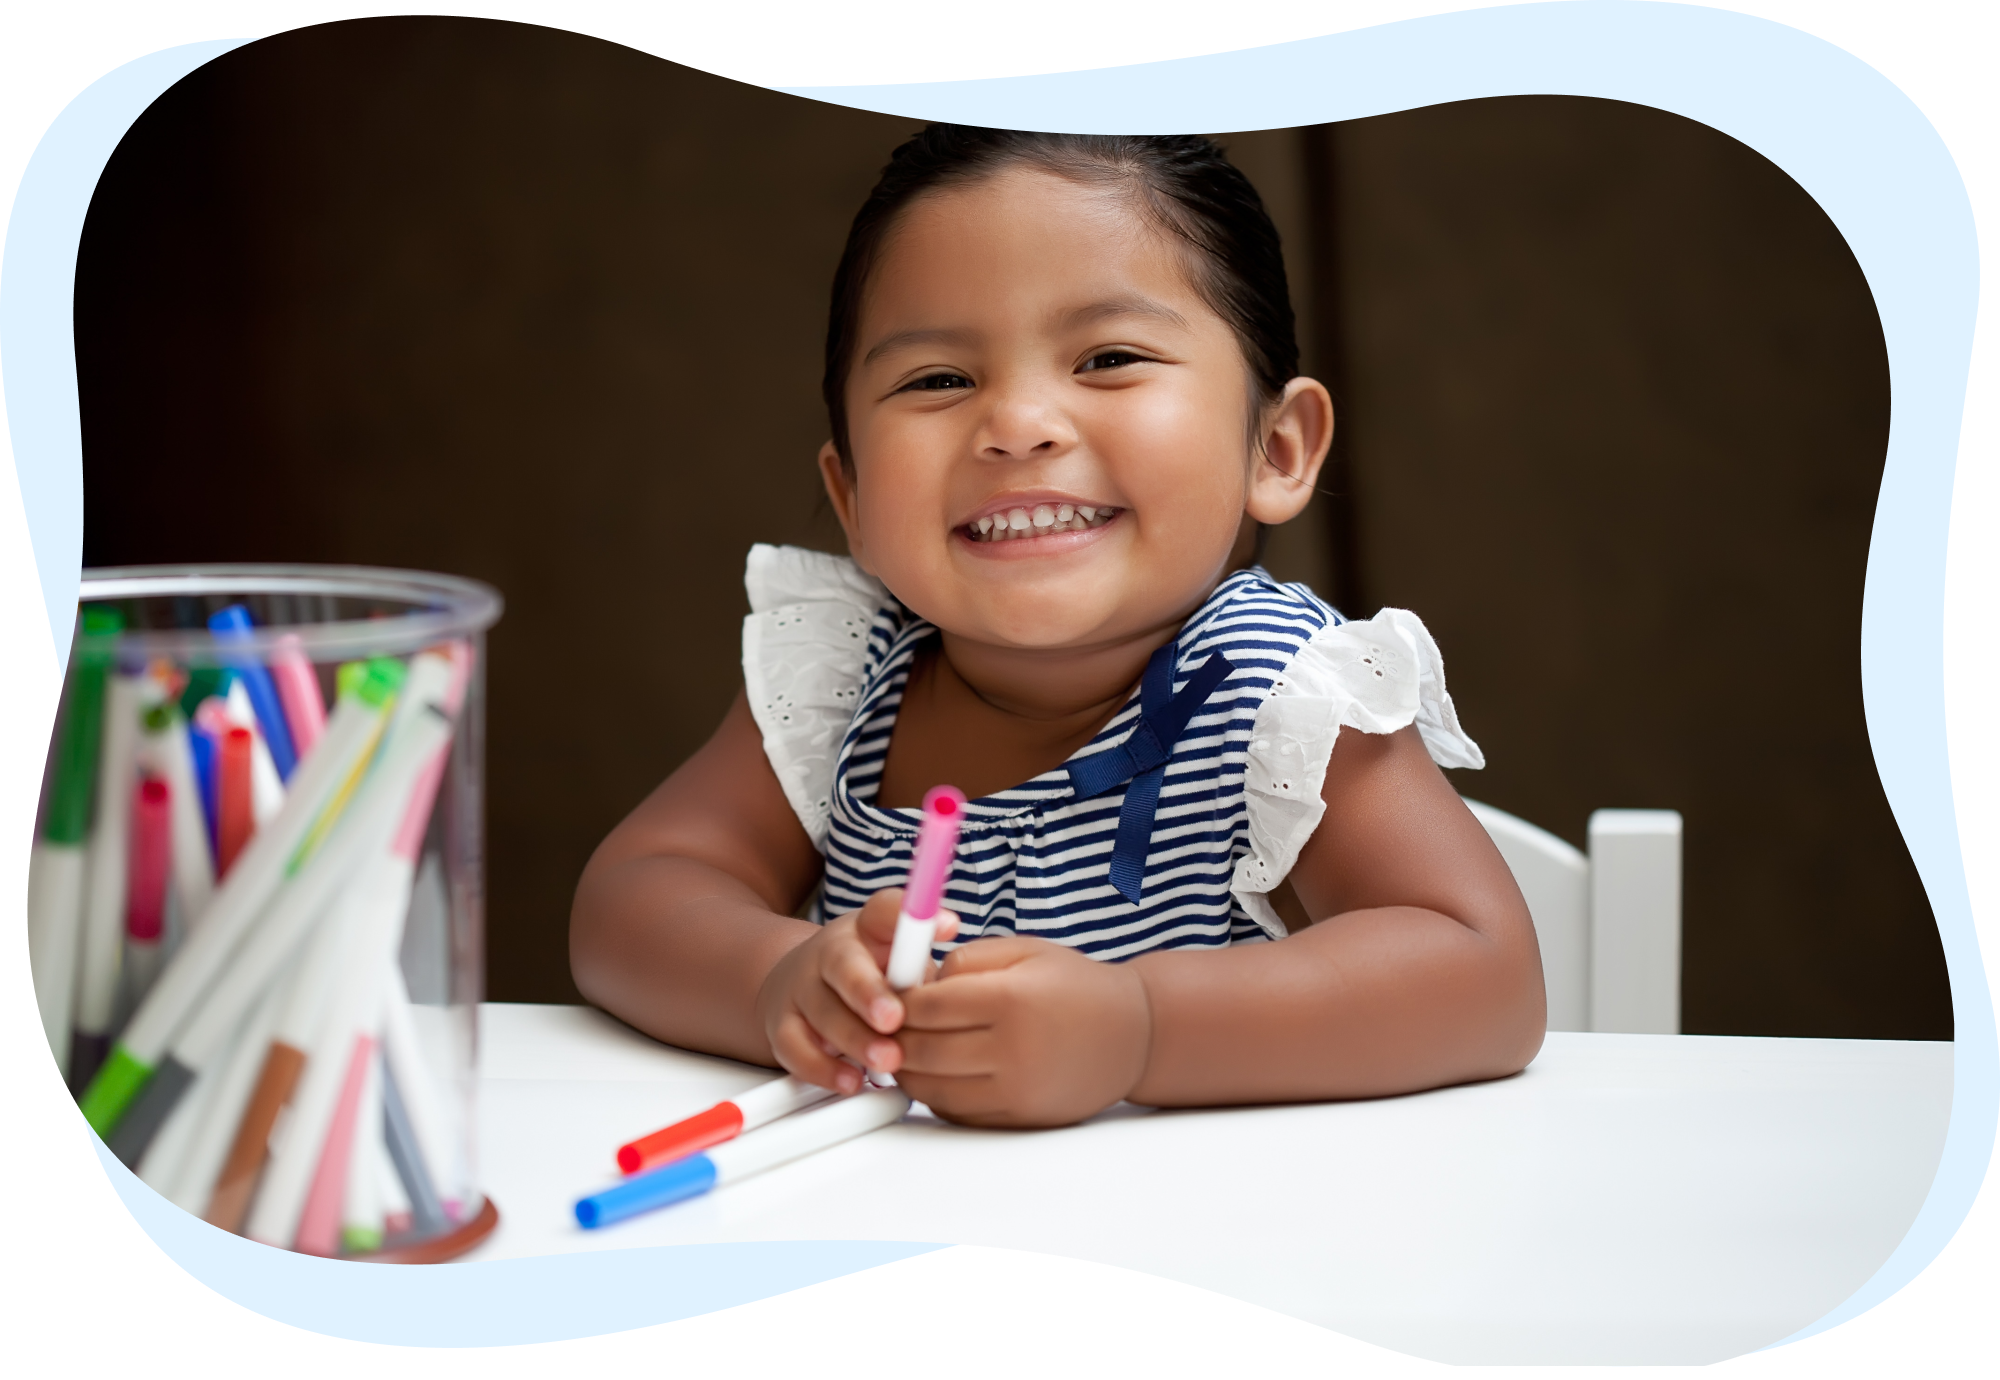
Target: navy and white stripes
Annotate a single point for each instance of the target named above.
(1035, 860)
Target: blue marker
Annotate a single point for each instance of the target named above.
(782, 1141)
(201, 748)
(233, 625)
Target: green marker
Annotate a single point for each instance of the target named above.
(56, 867)
(202, 682)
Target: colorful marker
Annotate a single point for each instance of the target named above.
(298, 689)
(267, 789)
(183, 1159)
(165, 751)
(233, 625)
(201, 756)
(103, 939)
(340, 984)
(930, 867)
(204, 682)
(234, 823)
(320, 1218)
(57, 865)
(185, 984)
(366, 824)
(361, 1212)
(724, 1121)
(787, 1140)
(146, 883)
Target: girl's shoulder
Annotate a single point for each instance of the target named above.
(1372, 675)
(805, 653)
(1376, 674)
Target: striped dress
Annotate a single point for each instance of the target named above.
(827, 653)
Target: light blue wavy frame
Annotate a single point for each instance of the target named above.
(1835, 125)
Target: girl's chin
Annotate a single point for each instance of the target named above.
(1054, 545)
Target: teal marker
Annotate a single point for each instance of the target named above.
(57, 865)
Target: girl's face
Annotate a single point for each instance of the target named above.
(1051, 430)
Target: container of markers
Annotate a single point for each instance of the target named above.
(255, 900)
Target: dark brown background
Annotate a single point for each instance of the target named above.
(526, 306)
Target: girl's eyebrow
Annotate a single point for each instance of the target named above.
(936, 335)
(1132, 305)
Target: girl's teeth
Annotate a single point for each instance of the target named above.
(1017, 523)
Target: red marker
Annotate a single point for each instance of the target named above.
(746, 1111)
(235, 820)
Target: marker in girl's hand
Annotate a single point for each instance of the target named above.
(916, 926)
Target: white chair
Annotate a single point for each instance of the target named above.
(1609, 923)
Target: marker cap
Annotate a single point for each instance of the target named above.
(374, 680)
(683, 1138)
(68, 817)
(667, 1184)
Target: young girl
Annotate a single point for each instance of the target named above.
(1208, 857)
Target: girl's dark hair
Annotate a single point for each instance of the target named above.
(1181, 180)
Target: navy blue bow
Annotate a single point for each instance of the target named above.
(1142, 759)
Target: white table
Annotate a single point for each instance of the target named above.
(1629, 1198)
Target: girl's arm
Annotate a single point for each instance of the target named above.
(1424, 971)
(685, 909)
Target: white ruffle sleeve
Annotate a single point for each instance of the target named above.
(1376, 676)
(805, 645)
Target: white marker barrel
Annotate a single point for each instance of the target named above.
(795, 1136)
(222, 1091)
(909, 952)
(362, 834)
(361, 917)
(349, 740)
(55, 901)
(104, 902)
(780, 1097)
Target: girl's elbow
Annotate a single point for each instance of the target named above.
(1521, 1022)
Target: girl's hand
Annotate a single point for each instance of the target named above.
(826, 1008)
(1023, 1032)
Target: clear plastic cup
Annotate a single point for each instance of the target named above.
(256, 900)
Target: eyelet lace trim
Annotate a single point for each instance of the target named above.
(805, 646)
(1376, 676)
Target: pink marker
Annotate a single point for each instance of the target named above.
(151, 859)
(298, 691)
(146, 880)
(930, 865)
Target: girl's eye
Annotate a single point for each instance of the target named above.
(936, 383)
(1110, 359)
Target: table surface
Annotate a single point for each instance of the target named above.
(1627, 1199)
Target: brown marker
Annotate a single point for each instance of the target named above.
(237, 1182)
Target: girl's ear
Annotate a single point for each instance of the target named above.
(839, 481)
(1296, 435)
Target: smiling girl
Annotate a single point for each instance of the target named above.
(1208, 856)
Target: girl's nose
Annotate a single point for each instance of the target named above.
(1022, 425)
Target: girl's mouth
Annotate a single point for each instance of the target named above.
(1037, 520)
